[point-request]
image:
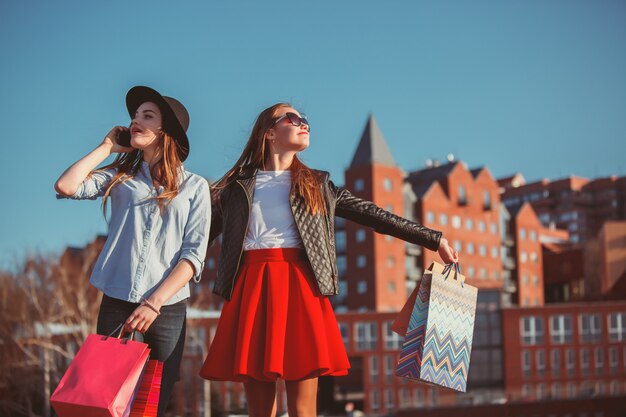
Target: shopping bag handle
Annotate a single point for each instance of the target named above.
(120, 327)
(448, 268)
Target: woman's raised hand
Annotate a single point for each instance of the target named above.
(446, 252)
(111, 140)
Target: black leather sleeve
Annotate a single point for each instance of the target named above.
(369, 214)
(216, 220)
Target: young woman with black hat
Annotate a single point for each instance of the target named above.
(158, 229)
(277, 266)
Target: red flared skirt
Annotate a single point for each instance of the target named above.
(276, 325)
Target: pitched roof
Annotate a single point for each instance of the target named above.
(422, 180)
(372, 147)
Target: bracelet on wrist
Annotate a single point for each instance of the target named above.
(148, 304)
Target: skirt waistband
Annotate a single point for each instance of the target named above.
(274, 255)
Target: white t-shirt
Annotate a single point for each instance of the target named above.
(271, 222)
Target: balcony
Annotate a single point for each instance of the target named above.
(508, 240)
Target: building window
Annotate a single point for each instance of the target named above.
(389, 403)
(483, 273)
(571, 390)
(533, 235)
(526, 391)
(443, 219)
(361, 287)
(555, 362)
(531, 330)
(374, 369)
(487, 200)
(524, 279)
(433, 397)
(481, 226)
(404, 398)
(344, 328)
(340, 240)
(343, 287)
(494, 228)
(391, 261)
(570, 360)
(388, 184)
(359, 185)
(496, 275)
(556, 390)
(613, 360)
(342, 265)
(526, 363)
(535, 280)
(456, 222)
(523, 257)
(589, 326)
(482, 250)
(617, 327)
(391, 287)
(495, 252)
(210, 263)
(361, 261)
(374, 400)
(598, 358)
(393, 341)
(470, 248)
(542, 391)
(561, 328)
(522, 233)
(614, 388)
(360, 235)
(430, 217)
(540, 357)
(418, 397)
(534, 258)
(366, 335)
(469, 224)
(390, 366)
(584, 361)
(471, 272)
(462, 195)
(458, 246)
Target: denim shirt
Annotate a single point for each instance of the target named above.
(144, 244)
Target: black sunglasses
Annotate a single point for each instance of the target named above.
(294, 119)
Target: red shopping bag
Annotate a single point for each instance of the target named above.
(102, 378)
(146, 401)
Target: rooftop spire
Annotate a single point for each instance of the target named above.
(372, 147)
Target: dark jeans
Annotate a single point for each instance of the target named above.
(166, 337)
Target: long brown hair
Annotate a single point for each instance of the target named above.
(305, 181)
(167, 171)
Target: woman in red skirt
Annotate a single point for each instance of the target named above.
(278, 266)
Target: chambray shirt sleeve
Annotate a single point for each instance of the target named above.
(196, 233)
(92, 187)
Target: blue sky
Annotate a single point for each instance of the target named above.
(537, 87)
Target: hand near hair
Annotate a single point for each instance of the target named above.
(110, 140)
(447, 253)
(70, 180)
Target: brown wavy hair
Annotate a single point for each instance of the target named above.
(305, 181)
(167, 171)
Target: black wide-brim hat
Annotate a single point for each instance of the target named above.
(175, 116)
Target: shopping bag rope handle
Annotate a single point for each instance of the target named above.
(448, 268)
(120, 327)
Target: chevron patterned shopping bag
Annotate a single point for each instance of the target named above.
(438, 340)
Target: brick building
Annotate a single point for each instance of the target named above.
(513, 252)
